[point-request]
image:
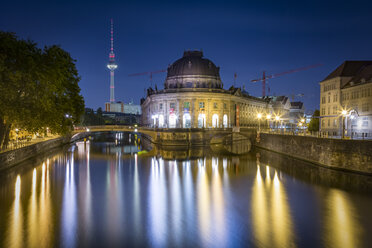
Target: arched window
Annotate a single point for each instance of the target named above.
(161, 120)
(186, 121)
(215, 120)
(225, 121)
(201, 121)
(172, 121)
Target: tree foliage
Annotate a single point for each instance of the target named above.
(93, 119)
(314, 122)
(38, 87)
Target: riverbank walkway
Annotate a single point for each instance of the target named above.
(13, 145)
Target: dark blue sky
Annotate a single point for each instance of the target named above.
(242, 37)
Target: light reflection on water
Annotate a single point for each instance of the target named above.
(100, 194)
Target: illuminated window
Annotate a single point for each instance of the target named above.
(201, 121)
(225, 121)
(215, 105)
(215, 120)
(172, 121)
(186, 120)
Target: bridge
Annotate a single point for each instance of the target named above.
(236, 141)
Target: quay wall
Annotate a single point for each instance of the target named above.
(346, 155)
(13, 157)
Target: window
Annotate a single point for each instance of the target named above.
(329, 98)
(225, 106)
(215, 105)
(334, 109)
(335, 122)
(201, 105)
(329, 110)
(172, 105)
(161, 106)
(365, 122)
(186, 105)
(329, 122)
(365, 107)
(323, 111)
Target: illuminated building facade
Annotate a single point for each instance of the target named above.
(193, 97)
(346, 100)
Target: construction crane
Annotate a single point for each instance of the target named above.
(150, 73)
(266, 77)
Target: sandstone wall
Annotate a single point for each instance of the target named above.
(11, 158)
(350, 155)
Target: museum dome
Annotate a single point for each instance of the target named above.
(193, 71)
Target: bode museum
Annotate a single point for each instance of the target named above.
(194, 97)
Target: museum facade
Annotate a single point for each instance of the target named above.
(193, 97)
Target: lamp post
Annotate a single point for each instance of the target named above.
(277, 118)
(268, 117)
(302, 125)
(259, 116)
(344, 113)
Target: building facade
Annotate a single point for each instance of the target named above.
(296, 112)
(193, 97)
(346, 101)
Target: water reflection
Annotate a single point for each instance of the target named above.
(32, 211)
(114, 201)
(341, 224)
(103, 194)
(16, 218)
(44, 216)
(85, 192)
(69, 210)
(158, 202)
(272, 221)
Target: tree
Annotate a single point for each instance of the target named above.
(314, 122)
(38, 88)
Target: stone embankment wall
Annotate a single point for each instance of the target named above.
(11, 158)
(348, 155)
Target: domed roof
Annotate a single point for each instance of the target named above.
(193, 63)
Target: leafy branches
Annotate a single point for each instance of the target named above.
(38, 87)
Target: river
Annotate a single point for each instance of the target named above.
(112, 192)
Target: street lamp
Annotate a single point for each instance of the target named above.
(268, 117)
(259, 116)
(277, 118)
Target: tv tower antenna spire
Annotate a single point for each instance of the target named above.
(112, 64)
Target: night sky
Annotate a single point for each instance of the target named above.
(240, 37)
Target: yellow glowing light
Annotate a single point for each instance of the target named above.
(344, 112)
(277, 118)
(268, 116)
(276, 180)
(302, 120)
(18, 188)
(259, 115)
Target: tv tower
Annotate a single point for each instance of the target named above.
(112, 65)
